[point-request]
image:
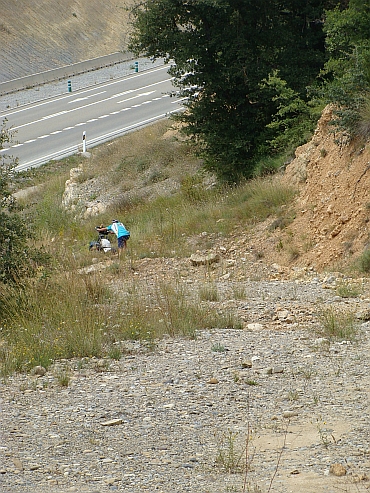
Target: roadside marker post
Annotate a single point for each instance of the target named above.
(136, 66)
(83, 141)
(69, 85)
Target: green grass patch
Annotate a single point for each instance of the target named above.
(71, 316)
(346, 290)
(364, 261)
(337, 324)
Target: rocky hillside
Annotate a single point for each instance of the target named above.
(327, 227)
(332, 211)
(177, 416)
(37, 36)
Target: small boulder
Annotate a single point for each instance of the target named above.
(337, 470)
(39, 371)
(204, 259)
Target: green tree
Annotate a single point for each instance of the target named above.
(17, 259)
(294, 119)
(346, 74)
(221, 51)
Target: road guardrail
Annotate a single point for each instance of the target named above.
(63, 72)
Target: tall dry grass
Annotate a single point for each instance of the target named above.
(67, 312)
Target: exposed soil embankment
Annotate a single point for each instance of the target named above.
(329, 227)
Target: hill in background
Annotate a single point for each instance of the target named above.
(38, 36)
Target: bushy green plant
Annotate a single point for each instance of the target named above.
(364, 261)
(18, 258)
(294, 120)
(346, 74)
(269, 165)
(363, 124)
(338, 324)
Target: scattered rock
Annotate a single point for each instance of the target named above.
(112, 422)
(289, 414)
(254, 326)
(198, 259)
(18, 464)
(337, 470)
(40, 371)
(247, 363)
(167, 408)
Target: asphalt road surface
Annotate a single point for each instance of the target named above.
(73, 122)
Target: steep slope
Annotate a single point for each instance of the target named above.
(327, 226)
(37, 36)
(333, 206)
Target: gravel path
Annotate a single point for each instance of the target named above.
(157, 419)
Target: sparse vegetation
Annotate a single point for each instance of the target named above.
(231, 452)
(364, 261)
(63, 377)
(325, 434)
(337, 324)
(65, 311)
(346, 290)
(218, 348)
(208, 292)
(71, 317)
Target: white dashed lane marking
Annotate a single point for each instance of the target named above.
(88, 121)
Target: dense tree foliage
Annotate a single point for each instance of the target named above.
(17, 259)
(347, 71)
(223, 51)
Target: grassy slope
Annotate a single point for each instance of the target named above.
(64, 312)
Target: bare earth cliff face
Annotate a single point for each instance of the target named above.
(333, 205)
(38, 36)
(332, 210)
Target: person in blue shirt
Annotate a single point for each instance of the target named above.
(120, 231)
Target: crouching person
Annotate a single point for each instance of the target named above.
(120, 231)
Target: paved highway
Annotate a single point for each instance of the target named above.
(53, 128)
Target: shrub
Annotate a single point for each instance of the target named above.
(364, 261)
(338, 324)
(363, 124)
(18, 258)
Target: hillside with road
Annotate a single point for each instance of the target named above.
(38, 36)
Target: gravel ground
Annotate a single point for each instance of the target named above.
(156, 420)
(82, 81)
